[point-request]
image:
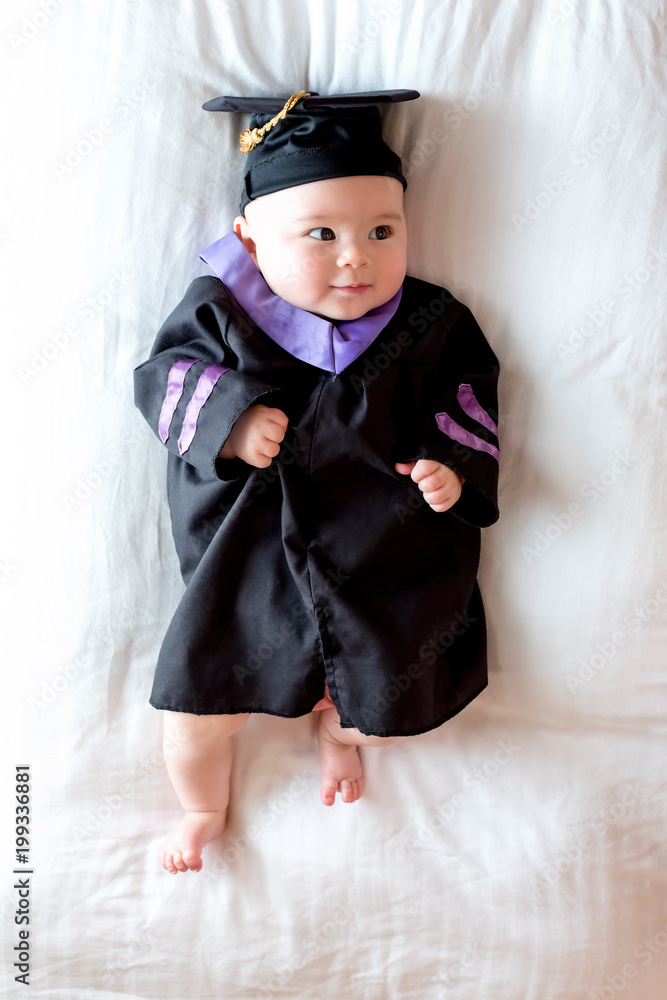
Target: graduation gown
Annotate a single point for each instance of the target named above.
(328, 564)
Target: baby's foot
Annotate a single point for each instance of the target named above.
(340, 768)
(181, 848)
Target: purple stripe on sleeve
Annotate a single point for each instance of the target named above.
(470, 406)
(175, 382)
(207, 380)
(460, 434)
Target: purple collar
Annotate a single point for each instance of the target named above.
(304, 335)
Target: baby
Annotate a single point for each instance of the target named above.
(351, 576)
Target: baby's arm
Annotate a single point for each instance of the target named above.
(256, 435)
(192, 391)
(440, 485)
(456, 426)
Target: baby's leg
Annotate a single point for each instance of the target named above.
(340, 764)
(198, 754)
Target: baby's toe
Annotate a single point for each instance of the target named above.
(192, 860)
(348, 790)
(328, 793)
(352, 789)
(179, 863)
(168, 863)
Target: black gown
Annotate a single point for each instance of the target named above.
(328, 564)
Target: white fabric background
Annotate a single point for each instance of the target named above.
(464, 872)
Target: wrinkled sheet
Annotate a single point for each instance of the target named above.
(516, 853)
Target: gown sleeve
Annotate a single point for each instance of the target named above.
(188, 389)
(458, 423)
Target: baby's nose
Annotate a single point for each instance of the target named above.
(353, 253)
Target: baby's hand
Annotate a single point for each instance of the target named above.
(440, 485)
(256, 435)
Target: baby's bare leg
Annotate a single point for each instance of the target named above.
(198, 754)
(340, 764)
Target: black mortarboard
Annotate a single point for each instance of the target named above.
(312, 138)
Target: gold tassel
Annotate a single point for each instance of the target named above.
(252, 137)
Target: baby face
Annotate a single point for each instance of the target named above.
(336, 247)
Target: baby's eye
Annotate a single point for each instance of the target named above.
(382, 232)
(326, 234)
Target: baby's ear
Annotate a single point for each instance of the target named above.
(242, 230)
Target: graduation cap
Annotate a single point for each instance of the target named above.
(310, 137)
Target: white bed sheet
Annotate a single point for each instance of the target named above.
(517, 853)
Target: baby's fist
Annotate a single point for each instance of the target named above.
(440, 485)
(256, 435)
